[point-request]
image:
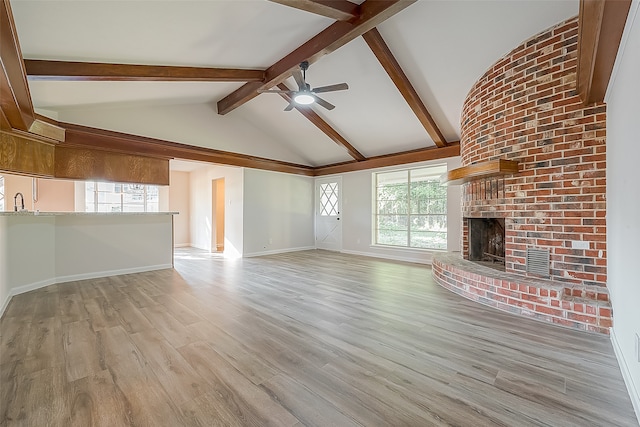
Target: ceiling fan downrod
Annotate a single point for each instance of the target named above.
(304, 66)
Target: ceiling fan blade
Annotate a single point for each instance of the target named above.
(331, 88)
(276, 91)
(297, 76)
(324, 103)
(290, 106)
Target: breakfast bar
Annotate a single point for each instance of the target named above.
(43, 248)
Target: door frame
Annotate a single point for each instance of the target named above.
(217, 215)
(316, 202)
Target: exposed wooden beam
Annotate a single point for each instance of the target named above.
(325, 127)
(46, 129)
(98, 139)
(15, 99)
(86, 138)
(394, 70)
(451, 150)
(4, 122)
(340, 10)
(372, 13)
(97, 71)
(601, 23)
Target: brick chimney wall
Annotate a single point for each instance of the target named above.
(526, 108)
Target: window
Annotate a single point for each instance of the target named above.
(114, 197)
(329, 199)
(411, 208)
(1, 193)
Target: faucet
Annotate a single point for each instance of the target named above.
(15, 202)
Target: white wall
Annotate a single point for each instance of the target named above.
(27, 248)
(623, 202)
(179, 201)
(40, 250)
(278, 212)
(200, 208)
(357, 193)
(103, 245)
(30, 246)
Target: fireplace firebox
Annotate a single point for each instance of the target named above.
(486, 240)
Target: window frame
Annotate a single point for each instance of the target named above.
(429, 171)
(2, 191)
(96, 203)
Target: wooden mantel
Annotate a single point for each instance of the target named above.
(479, 171)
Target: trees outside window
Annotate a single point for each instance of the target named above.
(411, 208)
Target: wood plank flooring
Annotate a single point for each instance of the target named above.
(311, 338)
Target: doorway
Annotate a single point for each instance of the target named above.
(217, 215)
(328, 213)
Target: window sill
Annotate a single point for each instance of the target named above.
(406, 249)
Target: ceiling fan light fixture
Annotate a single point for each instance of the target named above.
(305, 95)
(303, 98)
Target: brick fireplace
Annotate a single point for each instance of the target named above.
(525, 108)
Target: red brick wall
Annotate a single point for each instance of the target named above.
(526, 108)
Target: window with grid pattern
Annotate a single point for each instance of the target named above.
(329, 199)
(116, 197)
(411, 208)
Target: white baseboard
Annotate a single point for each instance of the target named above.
(200, 247)
(22, 289)
(368, 254)
(277, 251)
(63, 279)
(182, 245)
(5, 304)
(386, 256)
(634, 393)
(98, 274)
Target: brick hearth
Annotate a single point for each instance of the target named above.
(574, 306)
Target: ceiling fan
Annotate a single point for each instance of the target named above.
(305, 95)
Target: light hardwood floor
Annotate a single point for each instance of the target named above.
(307, 338)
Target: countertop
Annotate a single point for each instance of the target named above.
(37, 213)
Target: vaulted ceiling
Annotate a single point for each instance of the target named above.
(408, 64)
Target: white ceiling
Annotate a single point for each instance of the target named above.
(442, 46)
